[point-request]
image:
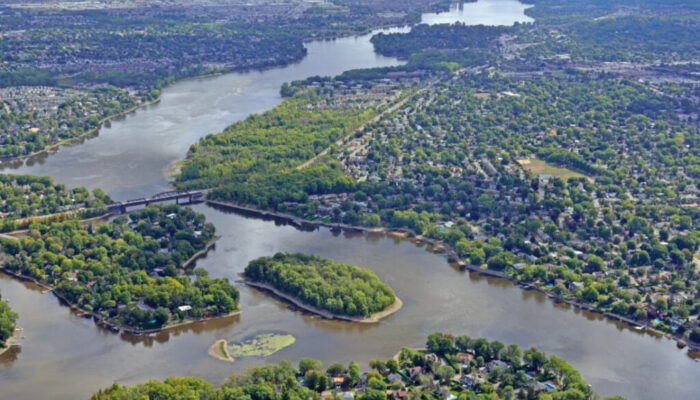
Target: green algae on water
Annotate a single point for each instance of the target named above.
(261, 345)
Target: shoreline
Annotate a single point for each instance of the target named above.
(372, 319)
(196, 256)
(452, 257)
(55, 146)
(9, 343)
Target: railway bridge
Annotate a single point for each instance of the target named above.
(180, 197)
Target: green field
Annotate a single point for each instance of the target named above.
(539, 167)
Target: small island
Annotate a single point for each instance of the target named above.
(261, 345)
(324, 287)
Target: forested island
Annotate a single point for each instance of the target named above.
(129, 272)
(461, 368)
(319, 283)
(7, 323)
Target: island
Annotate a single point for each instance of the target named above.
(324, 287)
(460, 368)
(132, 273)
(262, 345)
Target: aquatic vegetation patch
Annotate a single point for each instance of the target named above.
(261, 345)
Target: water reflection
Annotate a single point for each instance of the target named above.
(220, 324)
(481, 12)
(10, 355)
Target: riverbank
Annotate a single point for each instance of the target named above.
(196, 256)
(373, 319)
(452, 256)
(9, 343)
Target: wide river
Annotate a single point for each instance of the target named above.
(67, 357)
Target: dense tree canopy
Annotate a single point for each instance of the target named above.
(26, 196)
(322, 283)
(128, 270)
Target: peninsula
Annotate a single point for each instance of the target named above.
(131, 273)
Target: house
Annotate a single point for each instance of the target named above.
(400, 395)
(537, 387)
(184, 308)
(446, 393)
(468, 382)
(492, 365)
(338, 381)
(393, 378)
(415, 372)
(361, 386)
(432, 358)
(465, 358)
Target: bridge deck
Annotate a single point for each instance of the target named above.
(189, 197)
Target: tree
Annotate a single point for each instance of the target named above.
(392, 365)
(445, 373)
(161, 316)
(440, 344)
(353, 373)
(463, 343)
(499, 262)
(336, 369)
(595, 263)
(590, 294)
(534, 359)
(379, 366)
(477, 257)
(309, 364)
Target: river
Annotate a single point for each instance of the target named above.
(64, 356)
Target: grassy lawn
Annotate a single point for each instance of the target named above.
(539, 167)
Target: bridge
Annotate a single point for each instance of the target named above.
(180, 197)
